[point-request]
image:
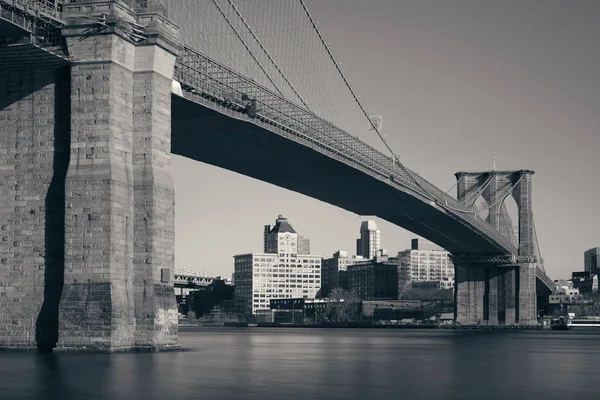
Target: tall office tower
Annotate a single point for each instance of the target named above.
(280, 272)
(369, 243)
(592, 260)
(303, 245)
(424, 262)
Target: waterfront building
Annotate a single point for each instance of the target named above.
(585, 281)
(375, 279)
(424, 262)
(369, 242)
(402, 309)
(333, 271)
(592, 260)
(565, 295)
(562, 285)
(301, 310)
(280, 272)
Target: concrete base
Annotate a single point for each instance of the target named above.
(122, 349)
(491, 295)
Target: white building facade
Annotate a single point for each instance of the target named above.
(277, 274)
(425, 262)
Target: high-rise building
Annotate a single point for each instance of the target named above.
(423, 244)
(424, 262)
(281, 271)
(303, 245)
(592, 260)
(369, 242)
(333, 271)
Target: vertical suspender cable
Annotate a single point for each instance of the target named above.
(267, 54)
(246, 46)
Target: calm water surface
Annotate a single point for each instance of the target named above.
(254, 363)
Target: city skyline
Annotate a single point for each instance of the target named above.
(456, 89)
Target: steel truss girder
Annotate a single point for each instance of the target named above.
(203, 76)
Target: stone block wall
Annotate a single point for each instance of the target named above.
(527, 300)
(86, 195)
(489, 294)
(154, 230)
(34, 136)
(98, 296)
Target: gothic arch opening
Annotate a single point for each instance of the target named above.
(509, 219)
(481, 207)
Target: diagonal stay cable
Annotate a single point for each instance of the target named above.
(267, 54)
(364, 111)
(246, 46)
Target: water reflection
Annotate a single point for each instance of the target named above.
(320, 364)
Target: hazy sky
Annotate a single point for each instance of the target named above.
(457, 81)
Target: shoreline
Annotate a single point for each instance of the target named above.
(369, 326)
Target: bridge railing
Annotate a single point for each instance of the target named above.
(545, 278)
(47, 8)
(230, 89)
(41, 19)
(202, 76)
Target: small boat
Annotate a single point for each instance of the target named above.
(559, 324)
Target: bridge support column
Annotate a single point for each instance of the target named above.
(156, 315)
(469, 293)
(461, 295)
(119, 213)
(477, 294)
(511, 283)
(478, 280)
(527, 309)
(492, 295)
(510, 295)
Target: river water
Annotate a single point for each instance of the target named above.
(290, 363)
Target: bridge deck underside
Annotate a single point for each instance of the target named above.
(10, 30)
(205, 135)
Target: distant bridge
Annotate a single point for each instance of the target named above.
(190, 278)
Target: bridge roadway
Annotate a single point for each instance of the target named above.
(328, 163)
(280, 145)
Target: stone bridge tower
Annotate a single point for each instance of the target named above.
(87, 197)
(495, 288)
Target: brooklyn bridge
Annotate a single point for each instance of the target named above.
(95, 97)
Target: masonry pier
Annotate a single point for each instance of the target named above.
(86, 189)
(496, 288)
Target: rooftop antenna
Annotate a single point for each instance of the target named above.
(494, 165)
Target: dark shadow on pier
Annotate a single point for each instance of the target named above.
(46, 334)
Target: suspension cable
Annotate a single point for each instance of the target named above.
(455, 183)
(364, 111)
(537, 245)
(246, 46)
(501, 199)
(339, 70)
(267, 54)
(479, 191)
